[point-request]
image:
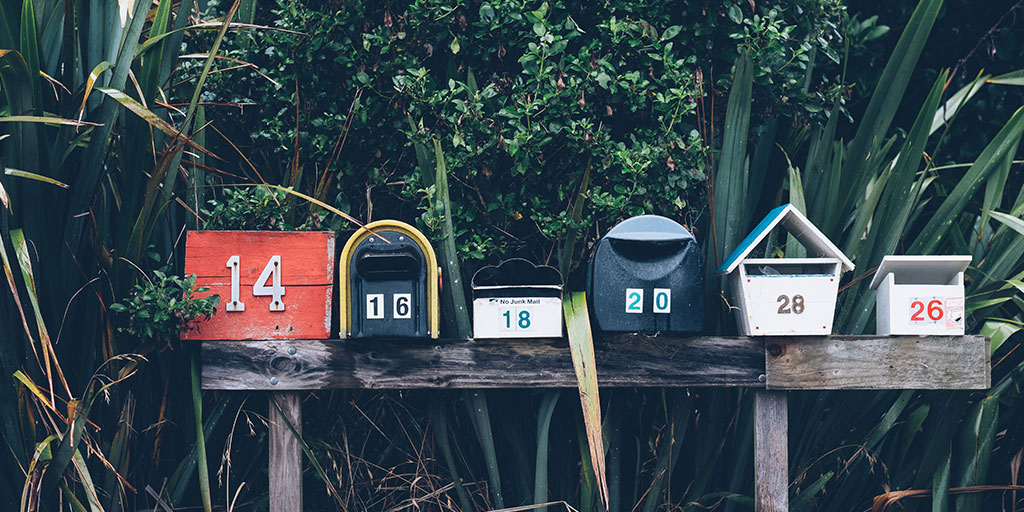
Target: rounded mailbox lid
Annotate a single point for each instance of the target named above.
(517, 272)
(647, 275)
(650, 228)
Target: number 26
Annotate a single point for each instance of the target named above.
(934, 310)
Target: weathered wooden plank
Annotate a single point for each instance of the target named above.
(305, 271)
(771, 453)
(628, 360)
(285, 466)
(878, 362)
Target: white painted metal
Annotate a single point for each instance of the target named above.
(235, 304)
(275, 290)
(517, 317)
(779, 297)
(920, 295)
(921, 269)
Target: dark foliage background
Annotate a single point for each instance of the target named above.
(525, 97)
(534, 105)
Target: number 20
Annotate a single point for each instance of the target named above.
(260, 289)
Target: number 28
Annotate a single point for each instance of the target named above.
(798, 304)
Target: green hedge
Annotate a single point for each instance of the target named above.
(524, 96)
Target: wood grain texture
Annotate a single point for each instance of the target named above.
(285, 465)
(878, 362)
(307, 273)
(771, 452)
(623, 360)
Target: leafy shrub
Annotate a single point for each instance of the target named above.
(249, 208)
(524, 100)
(159, 309)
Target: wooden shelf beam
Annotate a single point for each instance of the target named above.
(623, 360)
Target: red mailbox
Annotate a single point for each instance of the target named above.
(272, 285)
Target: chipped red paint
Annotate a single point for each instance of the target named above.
(307, 273)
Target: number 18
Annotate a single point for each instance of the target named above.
(524, 319)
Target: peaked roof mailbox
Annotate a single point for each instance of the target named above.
(388, 283)
(647, 275)
(920, 295)
(517, 299)
(791, 296)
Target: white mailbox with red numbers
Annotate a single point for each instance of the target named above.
(785, 296)
(920, 295)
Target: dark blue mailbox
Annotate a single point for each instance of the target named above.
(388, 279)
(647, 275)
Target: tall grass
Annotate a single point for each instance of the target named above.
(880, 193)
(94, 181)
(101, 177)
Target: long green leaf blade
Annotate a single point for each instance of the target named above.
(730, 177)
(581, 345)
(35, 177)
(994, 153)
(451, 270)
(1009, 221)
(892, 84)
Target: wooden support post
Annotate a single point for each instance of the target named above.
(285, 453)
(771, 458)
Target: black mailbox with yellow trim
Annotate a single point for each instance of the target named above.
(647, 275)
(388, 279)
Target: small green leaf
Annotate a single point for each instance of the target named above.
(454, 46)
(671, 32)
(735, 14)
(486, 13)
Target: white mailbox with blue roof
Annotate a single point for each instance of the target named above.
(785, 296)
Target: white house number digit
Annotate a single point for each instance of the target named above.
(271, 272)
(236, 303)
(275, 291)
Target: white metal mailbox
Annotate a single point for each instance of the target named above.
(920, 295)
(517, 299)
(785, 296)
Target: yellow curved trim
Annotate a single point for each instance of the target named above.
(345, 290)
